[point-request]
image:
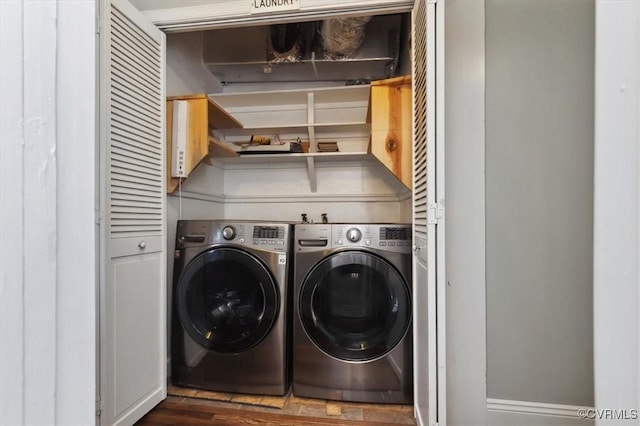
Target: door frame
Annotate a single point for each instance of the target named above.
(465, 329)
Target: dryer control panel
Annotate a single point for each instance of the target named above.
(388, 237)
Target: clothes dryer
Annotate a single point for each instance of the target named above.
(352, 312)
(230, 307)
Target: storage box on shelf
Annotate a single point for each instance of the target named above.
(203, 114)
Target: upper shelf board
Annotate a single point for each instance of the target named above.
(217, 116)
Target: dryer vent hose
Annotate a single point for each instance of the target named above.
(343, 36)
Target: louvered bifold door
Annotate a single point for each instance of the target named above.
(424, 300)
(133, 309)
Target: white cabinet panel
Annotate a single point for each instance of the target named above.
(137, 355)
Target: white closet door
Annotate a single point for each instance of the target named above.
(425, 217)
(133, 306)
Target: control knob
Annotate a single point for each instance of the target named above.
(228, 233)
(354, 235)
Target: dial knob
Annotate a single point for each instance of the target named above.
(228, 233)
(354, 235)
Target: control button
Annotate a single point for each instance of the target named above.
(340, 242)
(272, 243)
(354, 235)
(368, 242)
(280, 243)
(382, 243)
(392, 243)
(263, 241)
(228, 233)
(241, 240)
(256, 242)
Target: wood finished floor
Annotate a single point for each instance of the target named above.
(296, 412)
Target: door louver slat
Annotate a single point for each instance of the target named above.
(124, 62)
(130, 146)
(130, 85)
(135, 152)
(122, 110)
(149, 176)
(126, 158)
(420, 121)
(132, 100)
(134, 36)
(122, 115)
(133, 32)
(126, 184)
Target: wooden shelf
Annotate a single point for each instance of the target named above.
(300, 158)
(218, 149)
(204, 114)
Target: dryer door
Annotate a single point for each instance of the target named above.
(227, 300)
(355, 306)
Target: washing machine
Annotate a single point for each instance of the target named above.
(229, 324)
(352, 337)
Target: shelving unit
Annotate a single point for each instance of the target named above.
(363, 119)
(322, 114)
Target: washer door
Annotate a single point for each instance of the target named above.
(355, 306)
(227, 300)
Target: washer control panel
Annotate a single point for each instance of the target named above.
(264, 236)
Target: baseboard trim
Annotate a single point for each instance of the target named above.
(553, 414)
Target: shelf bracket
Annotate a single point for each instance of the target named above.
(311, 169)
(311, 121)
(313, 63)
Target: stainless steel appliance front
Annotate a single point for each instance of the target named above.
(229, 329)
(352, 312)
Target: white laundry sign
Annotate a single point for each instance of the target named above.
(268, 6)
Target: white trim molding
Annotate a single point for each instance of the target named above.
(294, 198)
(509, 412)
(313, 198)
(196, 195)
(234, 13)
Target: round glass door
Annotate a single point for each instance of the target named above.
(355, 306)
(227, 300)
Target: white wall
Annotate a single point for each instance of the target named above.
(347, 192)
(186, 73)
(465, 207)
(539, 198)
(617, 208)
(47, 213)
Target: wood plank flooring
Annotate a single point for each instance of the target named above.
(298, 412)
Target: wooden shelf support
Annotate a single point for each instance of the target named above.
(391, 126)
(204, 113)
